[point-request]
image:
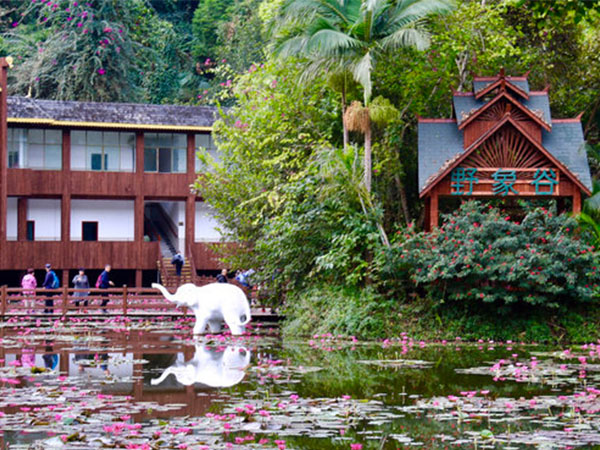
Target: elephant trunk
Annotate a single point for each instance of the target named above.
(165, 374)
(164, 292)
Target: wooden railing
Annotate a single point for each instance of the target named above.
(124, 300)
(190, 257)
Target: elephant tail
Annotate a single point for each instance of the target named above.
(164, 292)
(245, 317)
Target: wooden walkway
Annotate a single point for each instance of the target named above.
(125, 301)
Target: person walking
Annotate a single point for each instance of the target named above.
(222, 277)
(29, 283)
(80, 281)
(178, 261)
(104, 282)
(50, 282)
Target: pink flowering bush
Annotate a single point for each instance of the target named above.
(480, 254)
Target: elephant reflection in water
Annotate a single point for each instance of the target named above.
(210, 367)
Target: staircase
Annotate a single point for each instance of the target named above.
(157, 220)
(169, 277)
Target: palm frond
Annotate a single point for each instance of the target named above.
(293, 46)
(406, 13)
(330, 42)
(406, 37)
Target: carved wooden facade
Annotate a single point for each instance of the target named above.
(502, 143)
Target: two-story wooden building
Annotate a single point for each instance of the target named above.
(85, 184)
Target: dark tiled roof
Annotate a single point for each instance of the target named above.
(122, 113)
(523, 84)
(442, 143)
(541, 103)
(438, 144)
(566, 143)
(465, 105)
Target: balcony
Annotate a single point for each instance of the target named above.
(72, 254)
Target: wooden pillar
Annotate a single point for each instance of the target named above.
(427, 218)
(433, 211)
(576, 200)
(190, 223)
(22, 219)
(190, 202)
(138, 219)
(65, 278)
(65, 206)
(138, 385)
(138, 278)
(63, 363)
(3, 149)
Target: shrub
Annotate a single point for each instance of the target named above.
(480, 255)
(341, 310)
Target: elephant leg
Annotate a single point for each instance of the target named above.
(200, 325)
(215, 326)
(234, 327)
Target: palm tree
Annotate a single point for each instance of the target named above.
(353, 36)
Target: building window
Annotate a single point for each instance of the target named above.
(30, 230)
(205, 141)
(165, 153)
(34, 148)
(89, 231)
(105, 151)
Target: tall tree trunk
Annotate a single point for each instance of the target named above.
(368, 164)
(344, 127)
(403, 200)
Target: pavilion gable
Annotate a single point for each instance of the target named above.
(507, 147)
(510, 147)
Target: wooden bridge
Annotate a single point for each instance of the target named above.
(124, 301)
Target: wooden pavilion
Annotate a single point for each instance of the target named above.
(502, 142)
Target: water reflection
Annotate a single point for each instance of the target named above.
(212, 367)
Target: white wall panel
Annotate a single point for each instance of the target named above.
(45, 212)
(206, 224)
(11, 219)
(115, 218)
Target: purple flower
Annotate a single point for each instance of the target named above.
(101, 71)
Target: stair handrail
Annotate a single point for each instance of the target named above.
(164, 274)
(190, 257)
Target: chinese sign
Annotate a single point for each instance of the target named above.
(462, 181)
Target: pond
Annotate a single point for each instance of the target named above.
(125, 383)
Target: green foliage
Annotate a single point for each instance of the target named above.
(75, 51)
(354, 34)
(264, 142)
(229, 31)
(479, 255)
(348, 311)
(209, 15)
(323, 232)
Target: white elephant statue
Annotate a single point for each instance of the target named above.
(209, 367)
(212, 304)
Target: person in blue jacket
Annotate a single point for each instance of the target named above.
(50, 282)
(105, 283)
